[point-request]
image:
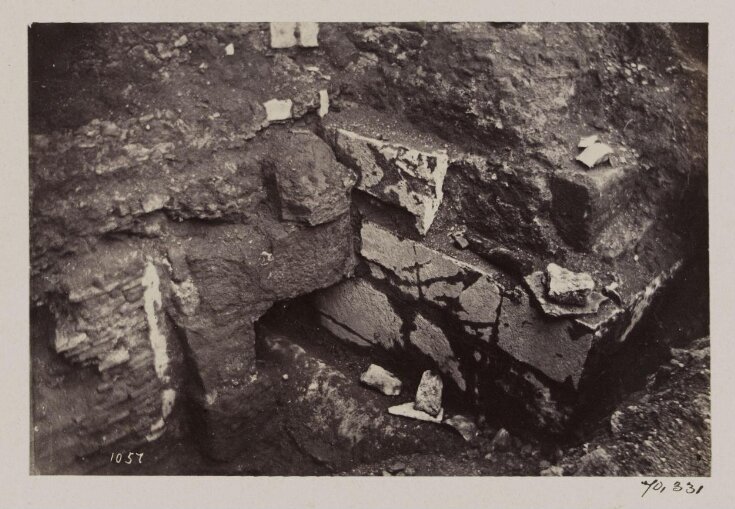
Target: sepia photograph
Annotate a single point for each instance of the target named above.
(369, 249)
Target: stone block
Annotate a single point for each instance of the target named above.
(312, 186)
(355, 308)
(584, 202)
(381, 379)
(396, 174)
(283, 35)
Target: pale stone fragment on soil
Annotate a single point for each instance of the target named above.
(536, 283)
(429, 394)
(553, 471)
(567, 287)
(283, 35)
(587, 141)
(230, 49)
(308, 34)
(407, 410)
(181, 41)
(278, 109)
(432, 341)
(464, 425)
(323, 103)
(381, 379)
(595, 154)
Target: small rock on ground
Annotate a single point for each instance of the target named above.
(382, 380)
(567, 287)
(464, 425)
(501, 440)
(429, 393)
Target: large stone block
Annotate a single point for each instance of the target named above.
(585, 202)
(399, 175)
(312, 186)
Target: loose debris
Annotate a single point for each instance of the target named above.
(567, 287)
(460, 241)
(429, 394)
(595, 154)
(464, 425)
(588, 141)
(382, 380)
(501, 440)
(277, 109)
(537, 284)
(408, 410)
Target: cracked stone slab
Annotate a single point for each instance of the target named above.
(426, 274)
(399, 175)
(537, 284)
(546, 344)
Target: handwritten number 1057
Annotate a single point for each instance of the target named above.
(126, 458)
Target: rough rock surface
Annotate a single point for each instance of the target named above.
(429, 394)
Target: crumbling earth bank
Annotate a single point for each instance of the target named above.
(186, 177)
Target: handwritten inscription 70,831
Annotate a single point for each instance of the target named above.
(660, 486)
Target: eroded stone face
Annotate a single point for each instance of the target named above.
(395, 174)
(355, 311)
(312, 186)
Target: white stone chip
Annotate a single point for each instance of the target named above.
(283, 35)
(323, 103)
(587, 141)
(407, 410)
(230, 49)
(277, 109)
(595, 154)
(308, 34)
(381, 379)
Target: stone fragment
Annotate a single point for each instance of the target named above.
(501, 440)
(278, 109)
(595, 154)
(587, 141)
(323, 103)
(396, 467)
(312, 186)
(230, 49)
(536, 283)
(460, 241)
(616, 422)
(567, 287)
(553, 471)
(181, 41)
(382, 380)
(429, 394)
(308, 34)
(407, 410)
(464, 425)
(612, 291)
(597, 462)
(283, 35)
(396, 174)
